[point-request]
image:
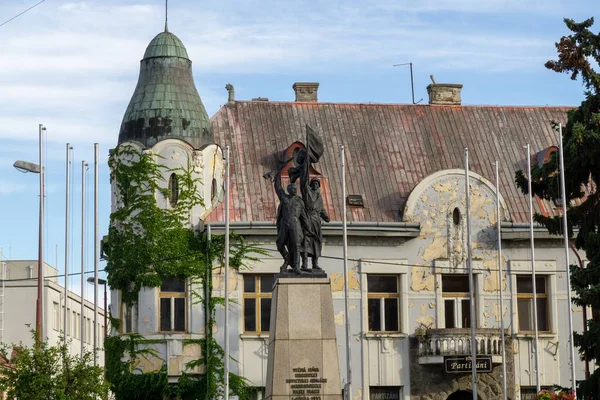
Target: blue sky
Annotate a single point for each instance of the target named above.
(73, 66)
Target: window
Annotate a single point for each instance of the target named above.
(75, 324)
(530, 392)
(88, 330)
(383, 303)
(456, 217)
(257, 302)
(56, 315)
(69, 324)
(384, 392)
(128, 319)
(173, 190)
(456, 301)
(172, 305)
(525, 299)
(257, 393)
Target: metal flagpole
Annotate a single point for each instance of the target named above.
(96, 254)
(226, 361)
(531, 241)
(348, 391)
(567, 263)
(207, 285)
(471, 280)
(500, 283)
(40, 319)
(67, 234)
(81, 324)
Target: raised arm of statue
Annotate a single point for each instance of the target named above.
(278, 188)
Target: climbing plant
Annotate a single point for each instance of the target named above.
(147, 243)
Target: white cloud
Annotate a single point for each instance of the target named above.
(73, 65)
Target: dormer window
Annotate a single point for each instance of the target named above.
(173, 190)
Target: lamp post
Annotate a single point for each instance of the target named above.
(25, 166)
(101, 282)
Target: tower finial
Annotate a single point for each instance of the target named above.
(166, 15)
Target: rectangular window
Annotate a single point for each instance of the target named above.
(385, 392)
(128, 319)
(456, 301)
(383, 303)
(88, 332)
(530, 392)
(172, 305)
(78, 327)
(525, 299)
(69, 322)
(56, 315)
(257, 302)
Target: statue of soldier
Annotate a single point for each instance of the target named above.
(291, 219)
(315, 212)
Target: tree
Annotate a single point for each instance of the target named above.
(44, 372)
(578, 53)
(147, 243)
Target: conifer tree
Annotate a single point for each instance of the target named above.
(579, 56)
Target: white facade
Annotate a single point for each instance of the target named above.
(19, 316)
(420, 254)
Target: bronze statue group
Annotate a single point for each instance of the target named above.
(299, 234)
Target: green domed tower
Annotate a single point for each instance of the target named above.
(165, 103)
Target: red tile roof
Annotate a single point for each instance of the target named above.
(390, 148)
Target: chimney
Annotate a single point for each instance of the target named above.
(444, 93)
(306, 91)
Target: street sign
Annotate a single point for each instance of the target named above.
(457, 364)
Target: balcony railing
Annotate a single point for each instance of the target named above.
(457, 341)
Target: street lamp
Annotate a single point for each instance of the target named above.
(25, 166)
(101, 282)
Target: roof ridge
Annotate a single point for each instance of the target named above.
(291, 102)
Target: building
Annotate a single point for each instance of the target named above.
(17, 317)
(408, 282)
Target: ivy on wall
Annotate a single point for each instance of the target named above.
(147, 243)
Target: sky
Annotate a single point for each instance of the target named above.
(73, 66)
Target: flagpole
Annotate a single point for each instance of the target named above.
(531, 241)
(81, 322)
(67, 215)
(96, 254)
(348, 391)
(567, 263)
(226, 281)
(207, 286)
(471, 280)
(500, 282)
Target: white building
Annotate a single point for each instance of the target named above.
(409, 296)
(18, 316)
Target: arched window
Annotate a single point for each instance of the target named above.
(456, 217)
(213, 189)
(173, 190)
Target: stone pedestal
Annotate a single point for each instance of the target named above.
(303, 356)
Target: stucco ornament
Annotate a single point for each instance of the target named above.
(198, 161)
(438, 203)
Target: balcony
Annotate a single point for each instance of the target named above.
(436, 344)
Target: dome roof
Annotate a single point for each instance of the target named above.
(165, 103)
(166, 44)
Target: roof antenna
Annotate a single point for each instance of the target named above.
(166, 15)
(412, 85)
